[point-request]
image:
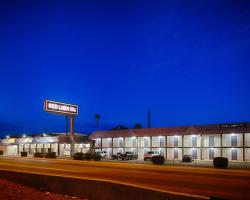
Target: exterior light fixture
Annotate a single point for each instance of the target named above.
(193, 135)
(87, 145)
(133, 137)
(44, 135)
(24, 135)
(233, 134)
(120, 138)
(7, 137)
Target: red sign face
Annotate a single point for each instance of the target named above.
(60, 108)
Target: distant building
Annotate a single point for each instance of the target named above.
(202, 142)
(53, 142)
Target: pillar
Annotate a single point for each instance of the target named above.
(182, 145)
(244, 153)
(201, 146)
(221, 145)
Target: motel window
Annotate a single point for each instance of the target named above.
(161, 142)
(194, 153)
(176, 153)
(194, 141)
(175, 141)
(211, 154)
(234, 154)
(211, 141)
(233, 141)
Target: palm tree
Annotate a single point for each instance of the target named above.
(97, 118)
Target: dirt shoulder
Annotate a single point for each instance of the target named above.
(13, 191)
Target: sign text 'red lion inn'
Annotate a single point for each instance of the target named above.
(60, 108)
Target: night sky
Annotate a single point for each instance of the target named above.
(188, 61)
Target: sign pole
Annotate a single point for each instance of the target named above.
(67, 125)
(72, 135)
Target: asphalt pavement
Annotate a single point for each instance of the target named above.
(207, 182)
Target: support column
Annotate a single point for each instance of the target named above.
(150, 143)
(244, 153)
(166, 147)
(123, 144)
(221, 145)
(182, 145)
(112, 146)
(201, 146)
(72, 135)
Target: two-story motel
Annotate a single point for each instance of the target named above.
(43, 143)
(202, 142)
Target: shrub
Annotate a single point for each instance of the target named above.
(50, 155)
(1, 152)
(158, 160)
(97, 157)
(38, 155)
(24, 154)
(220, 162)
(78, 156)
(87, 156)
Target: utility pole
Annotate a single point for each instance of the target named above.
(149, 118)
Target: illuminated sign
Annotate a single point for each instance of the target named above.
(60, 108)
(232, 125)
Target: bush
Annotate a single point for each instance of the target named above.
(220, 162)
(97, 157)
(158, 160)
(87, 156)
(50, 155)
(24, 154)
(1, 152)
(38, 155)
(78, 156)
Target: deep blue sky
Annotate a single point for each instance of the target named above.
(189, 61)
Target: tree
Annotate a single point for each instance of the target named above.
(97, 118)
(138, 126)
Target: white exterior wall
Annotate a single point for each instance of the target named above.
(12, 150)
(226, 152)
(188, 151)
(170, 153)
(118, 150)
(142, 142)
(106, 142)
(216, 140)
(170, 141)
(247, 139)
(205, 153)
(131, 142)
(247, 153)
(188, 140)
(226, 140)
(156, 141)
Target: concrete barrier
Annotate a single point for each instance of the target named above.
(91, 189)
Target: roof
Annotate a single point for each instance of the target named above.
(180, 130)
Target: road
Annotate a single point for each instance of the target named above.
(229, 183)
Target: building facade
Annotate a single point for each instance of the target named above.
(59, 143)
(201, 142)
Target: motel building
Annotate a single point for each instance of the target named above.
(44, 143)
(201, 142)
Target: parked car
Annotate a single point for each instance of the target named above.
(103, 154)
(150, 154)
(187, 158)
(126, 156)
(129, 156)
(116, 156)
